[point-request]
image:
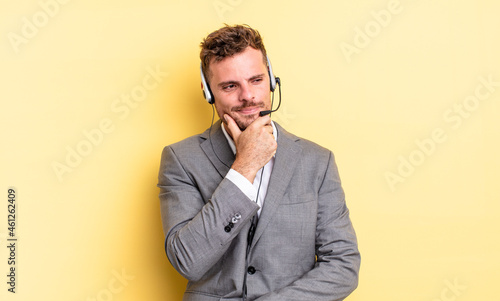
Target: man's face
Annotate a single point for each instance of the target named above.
(240, 85)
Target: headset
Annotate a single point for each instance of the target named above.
(209, 96)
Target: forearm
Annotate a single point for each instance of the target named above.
(197, 244)
(315, 285)
(333, 278)
(194, 219)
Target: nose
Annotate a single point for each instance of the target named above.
(246, 92)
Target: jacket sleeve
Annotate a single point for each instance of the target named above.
(196, 229)
(335, 274)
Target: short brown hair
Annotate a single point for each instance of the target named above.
(228, 41)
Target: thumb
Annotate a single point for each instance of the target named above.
(234, 130)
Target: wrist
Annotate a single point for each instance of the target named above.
(245, 170)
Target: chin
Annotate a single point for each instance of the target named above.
(243, 123)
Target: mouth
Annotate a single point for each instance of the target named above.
(250, 109)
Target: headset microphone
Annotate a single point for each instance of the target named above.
(264, 113)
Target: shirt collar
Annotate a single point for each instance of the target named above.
(231, 142)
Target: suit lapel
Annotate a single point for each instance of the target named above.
(285, 162)
(217, 150)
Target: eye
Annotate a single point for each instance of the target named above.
(228, 87)
(257, 80)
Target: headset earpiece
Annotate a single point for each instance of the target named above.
(272, 78)
(207, 93)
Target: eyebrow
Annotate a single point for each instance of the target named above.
(235, 82)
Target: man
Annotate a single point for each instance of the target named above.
(250, 211)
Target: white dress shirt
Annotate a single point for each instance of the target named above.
(251, 189)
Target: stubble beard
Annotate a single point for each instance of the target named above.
(244, 121)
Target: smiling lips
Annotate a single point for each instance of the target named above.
(249, 109)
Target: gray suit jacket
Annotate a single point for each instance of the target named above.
(304, 246)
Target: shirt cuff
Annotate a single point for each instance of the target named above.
(242, 183)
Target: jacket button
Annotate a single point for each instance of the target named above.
(227, 229)
(251, 270)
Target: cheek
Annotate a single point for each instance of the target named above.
(223, 101)
(222, 108)
(266, 97)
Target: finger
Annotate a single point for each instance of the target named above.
(233, 128)
(269, 128)
(265, 120)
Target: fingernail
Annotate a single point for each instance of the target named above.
(225, 117)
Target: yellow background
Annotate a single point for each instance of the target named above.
(437, 224)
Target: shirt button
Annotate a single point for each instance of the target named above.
(227, 229)
(251, 270)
